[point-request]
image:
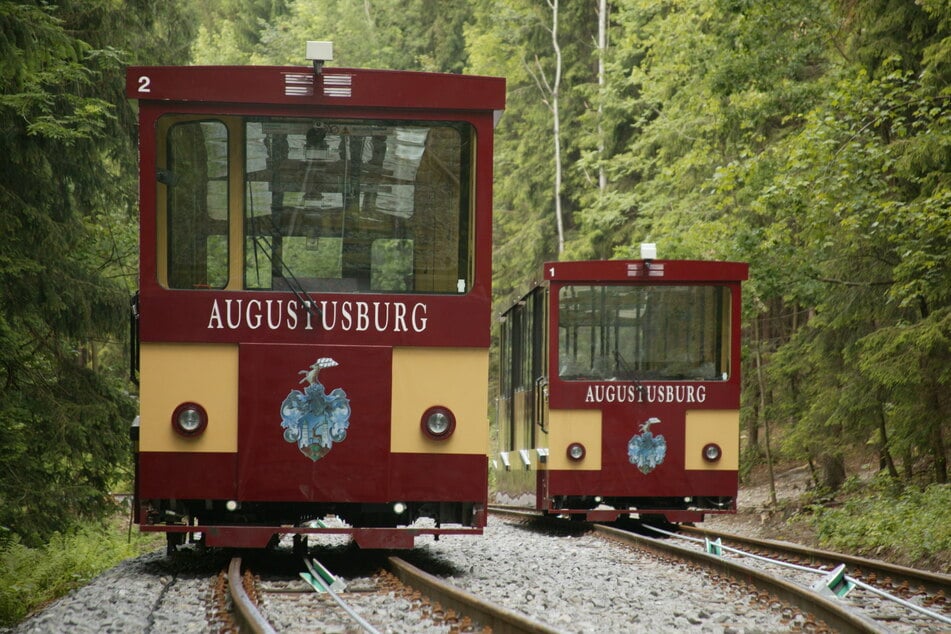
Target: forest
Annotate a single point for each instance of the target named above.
(809, 138)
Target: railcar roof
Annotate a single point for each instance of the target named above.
(635, 271)
(646, 271)
(299, 85)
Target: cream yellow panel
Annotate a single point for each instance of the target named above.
(172, 374)
(456, 378)
(574, 425)
(706, 426)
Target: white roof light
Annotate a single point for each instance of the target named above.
(320, 51)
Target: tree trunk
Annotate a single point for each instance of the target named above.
(832, 471)
(762, 410)
(602, 51)
(556, 124)
(752, 427)
(936, 437)
(884, 455)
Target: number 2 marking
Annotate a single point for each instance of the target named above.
(144, 83)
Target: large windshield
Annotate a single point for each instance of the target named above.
(617, 333)
(308, 204)
(357, 205)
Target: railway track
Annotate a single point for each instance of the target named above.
(824, 608)
(920, 591)
(446, 607)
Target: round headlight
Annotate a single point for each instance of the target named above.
(576, 451)
(711, 452)
(438, 423)
(189, 419)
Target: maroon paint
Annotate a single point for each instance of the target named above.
(617, 476)
(267, 467)
(270, 468)
(192, 475)
(266, 85)
(438, 477)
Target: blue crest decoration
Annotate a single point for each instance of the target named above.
(312, 418)
(645, 450)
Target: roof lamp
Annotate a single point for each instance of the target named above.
(319, 52)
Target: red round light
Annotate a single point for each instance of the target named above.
(189, 419)
(438, 423)
(712, 452)
(576, 452)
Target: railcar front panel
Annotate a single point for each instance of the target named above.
(315, 294)
(620, 390)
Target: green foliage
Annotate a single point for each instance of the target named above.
(30, 577)
(416, 35)
(898, 523)
(67, 252)
(811, 139)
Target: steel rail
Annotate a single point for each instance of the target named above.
(933, 582)
(246, 613)
(501, 620)
(835, 616)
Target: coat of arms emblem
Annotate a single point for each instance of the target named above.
(312, 418)
(645, 450)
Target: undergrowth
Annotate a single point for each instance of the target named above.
(901, 523)
(31, 577)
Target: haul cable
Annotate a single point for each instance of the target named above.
(323, 581)
(837, 576)
(835, 615)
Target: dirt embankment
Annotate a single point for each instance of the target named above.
(758, 516)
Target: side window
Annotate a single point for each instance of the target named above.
(195, 180)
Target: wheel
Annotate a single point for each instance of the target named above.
(173, 541)
(300, 545)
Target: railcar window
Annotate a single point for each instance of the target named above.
(195, 183)
(347, 205)
(617, 333)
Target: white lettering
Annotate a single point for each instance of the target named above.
(419, 323)
(215, 317)
(621, 393)
(233, 324)
(363, 316)
(292, 314)
(324, 312)
(253, 319)
(346, 323)
(335, 315)
(376, 316)
(400, 318)
(273, 324)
